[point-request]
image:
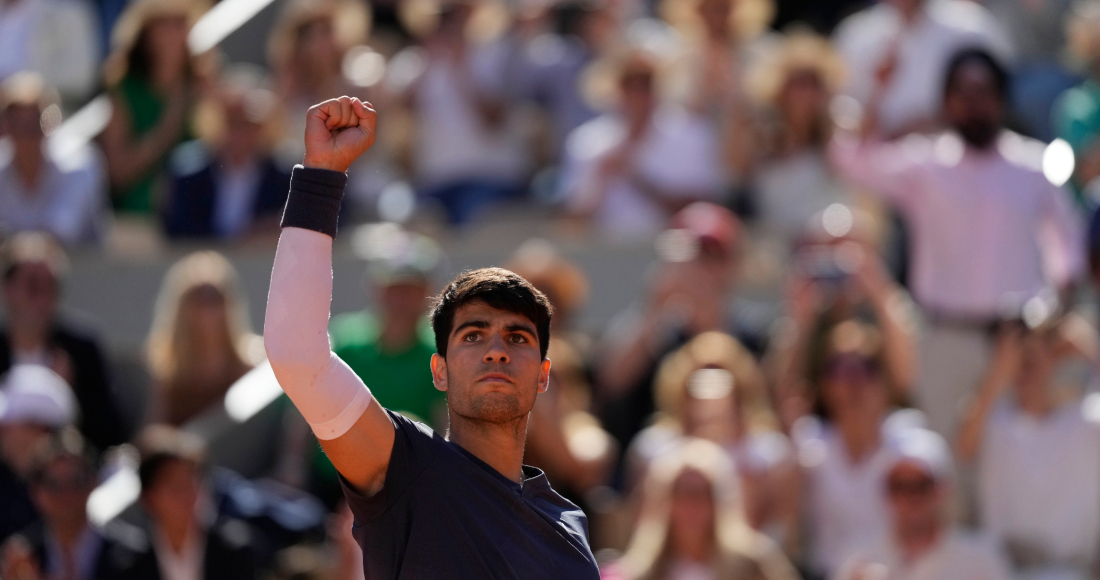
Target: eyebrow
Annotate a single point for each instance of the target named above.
(520, 328)
(482, 324)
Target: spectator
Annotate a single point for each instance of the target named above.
(182, 542)
(712, 389)
(34, 333)
(688, 294)
(553, 63)
(787, 166)
(724, 38)
(563, 438)
(692, 524)
(911, 42)
(40, 190)
(306, 50)
(922, 544)
(34, 404)
(836, 276)
(1039, 74)
(200, 342)
(54, 38)
(970, 197)
(154, 82)
(843, 447)
(468, 150)
(563, 282)
(64, 544)
(1077, 111)
(1038, 455)
(229, 185)
(629, 170)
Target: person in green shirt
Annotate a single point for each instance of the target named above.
(1076, 114)
(390, 347)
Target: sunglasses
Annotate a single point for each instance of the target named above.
(910, 487)
(851, 367)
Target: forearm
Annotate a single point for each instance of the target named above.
(973, 426)
(328, 394)
(899, 342)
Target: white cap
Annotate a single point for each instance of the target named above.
(36, 394)
(925, 449)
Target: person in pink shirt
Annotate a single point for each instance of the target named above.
(988, 232)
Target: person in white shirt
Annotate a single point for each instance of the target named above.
(843, 451)
(922, 544)
(54, 38)
(630, 170)
(469, 149)
(38, 189)
(915, 39)
(988, 230)
(1038, 457)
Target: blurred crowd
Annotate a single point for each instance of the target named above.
(911, 182)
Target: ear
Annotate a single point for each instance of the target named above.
(544, 375)
(439, 372)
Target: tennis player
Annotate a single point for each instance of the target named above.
(426, 507)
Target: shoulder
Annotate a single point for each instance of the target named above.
(977, 552)
(594, 138)
(189, 159)
(75, 335)
(1023, 153)
(230, 535)
(864, 26)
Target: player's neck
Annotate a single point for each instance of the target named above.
(499, 445)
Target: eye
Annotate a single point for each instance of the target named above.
(472, 337)
(518, 338)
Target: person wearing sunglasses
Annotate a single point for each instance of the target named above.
(922, 543)
(841, 445)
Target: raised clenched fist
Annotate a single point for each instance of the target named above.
(337, 132)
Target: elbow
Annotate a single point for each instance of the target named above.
(296, 362)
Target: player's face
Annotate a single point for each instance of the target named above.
(493, 369)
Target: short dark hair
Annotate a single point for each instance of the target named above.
(980, 56)
(159, 445)
(498, 288)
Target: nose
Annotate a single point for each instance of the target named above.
(495, 352)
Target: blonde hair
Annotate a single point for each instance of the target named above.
(713, 350)
(739, 550)
(169, 344)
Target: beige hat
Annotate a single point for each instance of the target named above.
(748, 18)
(351, 20)
(488, 21)
(128, 28)
(799, 50)
(26, 88)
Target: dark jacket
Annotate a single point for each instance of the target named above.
(189, 211)
(100, 418)
(129, 553)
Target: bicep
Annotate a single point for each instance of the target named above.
(362, 454)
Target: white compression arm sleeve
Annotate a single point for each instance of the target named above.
(326, 391)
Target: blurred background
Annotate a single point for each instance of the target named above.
(823, 275)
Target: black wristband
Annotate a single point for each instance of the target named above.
(314, 199)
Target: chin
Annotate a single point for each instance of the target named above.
(497, 407)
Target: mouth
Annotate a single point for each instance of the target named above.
(495, 378)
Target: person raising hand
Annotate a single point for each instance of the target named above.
(457, 506)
